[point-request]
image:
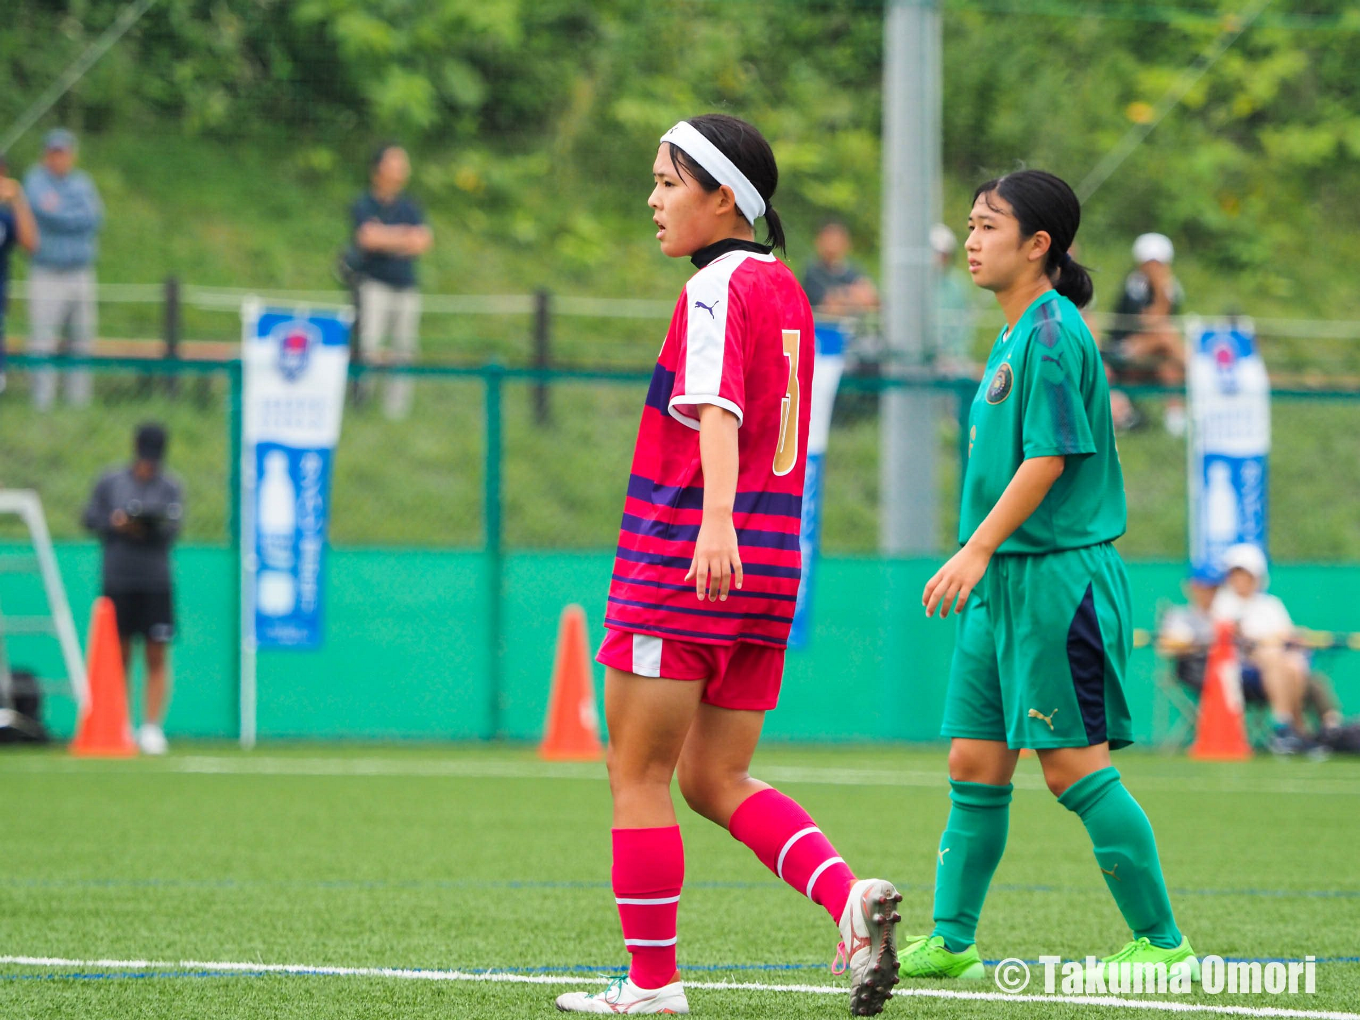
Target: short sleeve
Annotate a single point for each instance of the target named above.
(1054, 416)
(415, 216)
(359, 213)
(710, 367)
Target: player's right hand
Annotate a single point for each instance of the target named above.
(716, 567)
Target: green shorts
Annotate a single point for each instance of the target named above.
(1041, 651)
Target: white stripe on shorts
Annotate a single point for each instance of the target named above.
(818, 873)
(659, 901)
(779, 864)
(651, 942)
(646, 655)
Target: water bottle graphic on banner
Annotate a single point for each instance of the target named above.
(277, 512)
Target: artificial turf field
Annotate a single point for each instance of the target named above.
(214, 884)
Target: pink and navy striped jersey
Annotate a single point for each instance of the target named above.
(740, 338)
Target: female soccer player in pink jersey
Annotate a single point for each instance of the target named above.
(707, 574)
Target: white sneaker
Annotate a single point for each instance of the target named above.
(869, 944)
(622, 996)
(151, 739)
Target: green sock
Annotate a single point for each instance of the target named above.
(970, 849)
(1126, 852)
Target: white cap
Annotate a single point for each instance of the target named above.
(1246, 556)
(942, 240)
(1153, 248)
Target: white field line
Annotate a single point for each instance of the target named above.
(252, 765)
(1111, 1001)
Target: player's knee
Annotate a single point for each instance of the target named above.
(629, 771)
(705, 788)
(696, 786)
(966, 766)
(1057, 781)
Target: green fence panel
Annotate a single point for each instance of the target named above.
(407, 654)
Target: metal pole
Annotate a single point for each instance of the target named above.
(909, 488)
(542, 352)
(234, 530)
(491, 518)
(170, 329)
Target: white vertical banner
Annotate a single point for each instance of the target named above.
(826, 379)
(1229, 445)
(295, 363)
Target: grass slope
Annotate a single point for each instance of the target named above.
(256, 214)
(480, 859)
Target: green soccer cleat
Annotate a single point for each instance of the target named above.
(926, 956)
(1141, 951)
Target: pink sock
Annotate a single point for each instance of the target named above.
(649, 870)
(788, 842)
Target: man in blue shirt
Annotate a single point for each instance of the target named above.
(390, 233)
(16, 228)
(61, 283)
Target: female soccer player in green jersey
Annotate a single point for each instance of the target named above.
(1044, 629)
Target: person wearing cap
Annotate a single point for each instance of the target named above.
(137, 512)
(1143, 342)
(61, 281)
(1265, 633)
(953, 306)
(17, 227)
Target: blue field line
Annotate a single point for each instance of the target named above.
(420, 884)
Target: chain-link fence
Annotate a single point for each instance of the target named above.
(565, 439)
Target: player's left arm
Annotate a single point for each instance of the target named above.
(716, 567)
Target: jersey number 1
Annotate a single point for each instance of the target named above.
(786, 453)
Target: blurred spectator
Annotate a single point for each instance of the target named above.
(390, 233)
(953, 312)
(16, 228)
(137, 512)
(1268, 643)
(835, 286)
(61, 282)
(1144, 344)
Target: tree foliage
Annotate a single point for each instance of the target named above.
(542, 112)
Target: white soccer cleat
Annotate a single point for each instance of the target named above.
(151, 739)
(869, 944)
(622, 996)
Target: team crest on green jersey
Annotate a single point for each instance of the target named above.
(1001, 384)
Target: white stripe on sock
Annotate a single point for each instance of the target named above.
(646, 655)
(818, 873)
(651, 942)
(659, 901)
(779, 864)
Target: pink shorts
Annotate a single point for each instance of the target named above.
(742, 676)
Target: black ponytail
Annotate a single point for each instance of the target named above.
(749, 152)
(1044, 202)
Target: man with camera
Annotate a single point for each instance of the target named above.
(137, 512)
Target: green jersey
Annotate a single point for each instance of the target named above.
(1044, 394)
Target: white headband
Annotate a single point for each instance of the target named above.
(719, 167)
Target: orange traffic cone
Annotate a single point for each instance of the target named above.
(1221, 732)
(572, 731)
(104, 730)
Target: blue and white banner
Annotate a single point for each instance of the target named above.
(295, 364)
(1229, 440)
(826, 379)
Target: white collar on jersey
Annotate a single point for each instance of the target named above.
(719, 167)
